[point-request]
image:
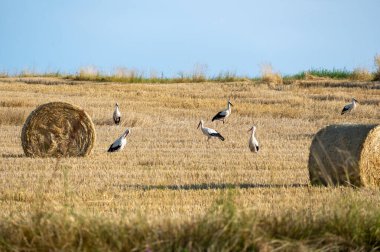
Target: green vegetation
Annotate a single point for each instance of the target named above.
(124, 75)
(139, 77)
(27, 73)
(322, 73)
(198, 74)
(223, 228)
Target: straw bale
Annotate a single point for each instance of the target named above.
(58, 129)
(346, 155)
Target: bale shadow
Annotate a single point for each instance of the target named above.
(207, 186)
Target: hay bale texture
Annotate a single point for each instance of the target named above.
(346, 155)
(58, 129)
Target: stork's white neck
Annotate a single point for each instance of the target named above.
(201, 124)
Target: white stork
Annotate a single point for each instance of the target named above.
(252, 143)
(209, 132)
(120, 143)
(116, 114)
(222, 115)
(349, 107)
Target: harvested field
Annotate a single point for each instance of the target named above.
(168, 170)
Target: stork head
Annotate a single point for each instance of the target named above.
(126, 133)
(229, 103)
(354, 100)
(253, 129)
(200, 123)
(117, 105)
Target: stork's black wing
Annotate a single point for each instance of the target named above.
(345, 109)
(218, 116)
(113, 148)
(217, 135)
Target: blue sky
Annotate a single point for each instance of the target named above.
(173, 36)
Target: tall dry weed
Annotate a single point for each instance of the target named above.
(361, 74)
(377, 64)
(199, 72)
(4, 75)
(269, 76)
(124, 72)
(88, 71)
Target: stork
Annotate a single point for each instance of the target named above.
(252, 143)
(349, 107)
(209, 132)
(222, 115)
(116, 114)
(120, 143)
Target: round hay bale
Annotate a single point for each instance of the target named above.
(58, 129)
(346, 155)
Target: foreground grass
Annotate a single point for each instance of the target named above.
(222, 228)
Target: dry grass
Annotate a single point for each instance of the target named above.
(168, 169)
(17, 117)
(361, 74)
(310, 76)
(89, 71)
(377, 65)
(4, 74)
(269, 76)
(223, 228)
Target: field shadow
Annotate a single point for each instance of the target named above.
(207, 186)
(12, 155)
(332, 84)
